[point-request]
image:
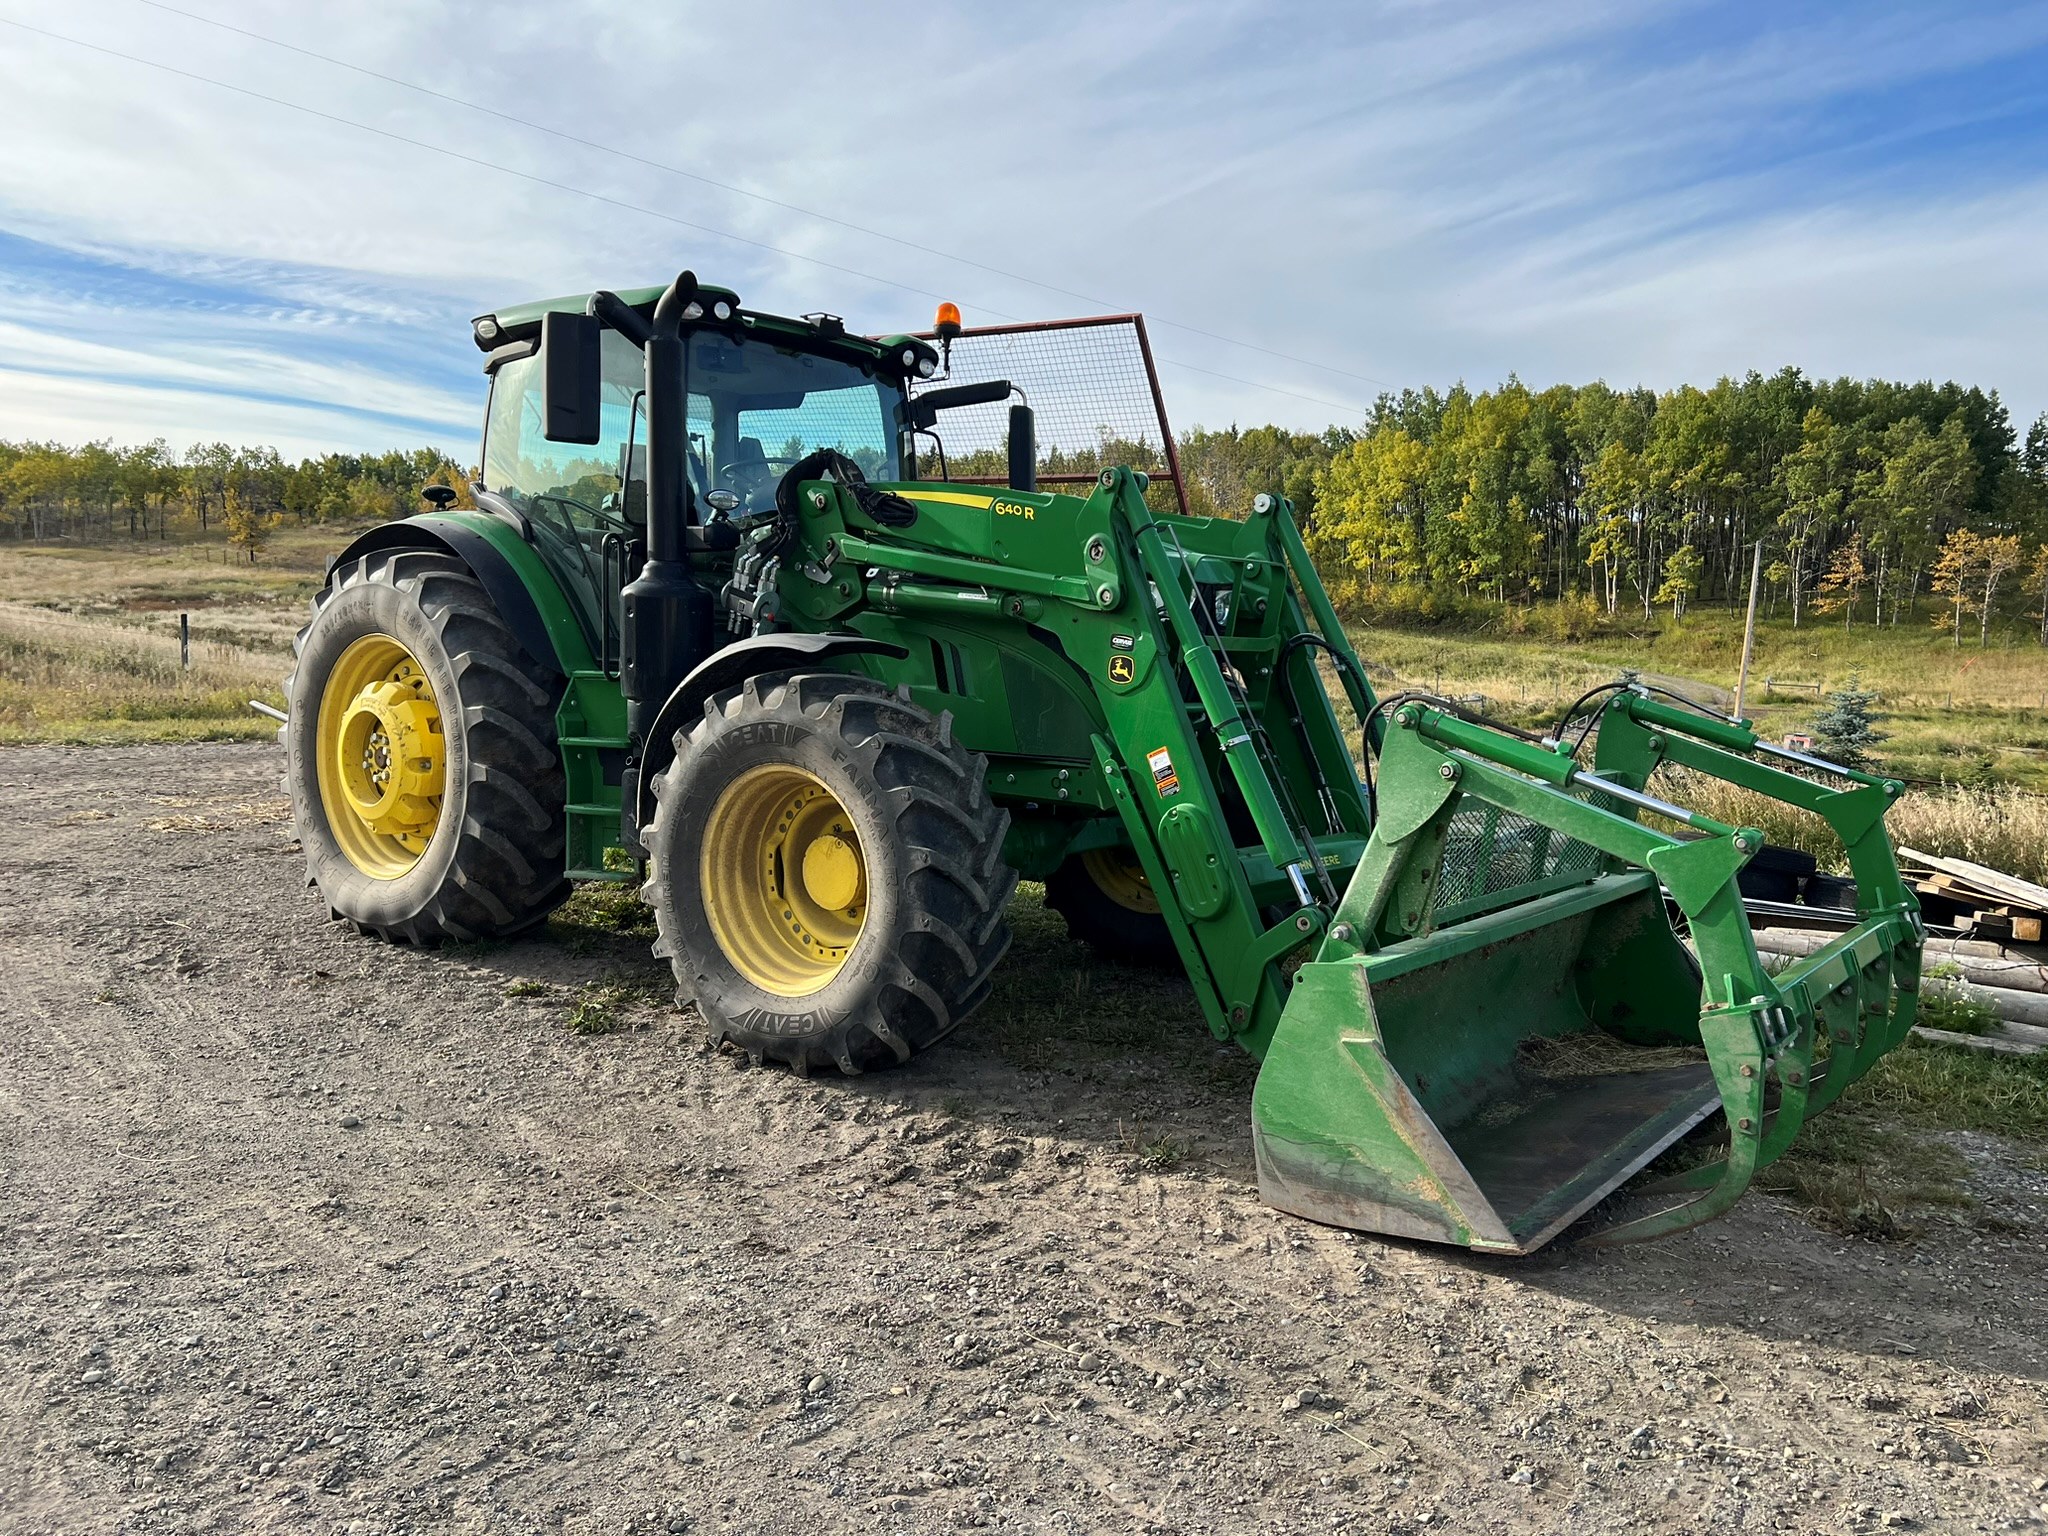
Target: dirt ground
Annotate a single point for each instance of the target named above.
(302, 1233)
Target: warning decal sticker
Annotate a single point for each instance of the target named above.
(1164, 779)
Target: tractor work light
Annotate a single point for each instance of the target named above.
(721, 310)
(693, 310)
(487, 330)
(945, 326)
(926, 367)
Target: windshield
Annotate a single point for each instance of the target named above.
(755, 409)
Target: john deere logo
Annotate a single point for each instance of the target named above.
(1122, 669)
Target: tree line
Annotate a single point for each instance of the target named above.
(99, 491)
(1870, 500)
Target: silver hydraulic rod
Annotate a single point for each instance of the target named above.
(1643, 802)
(1804, 760)
(1297, 876)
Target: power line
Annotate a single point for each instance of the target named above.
(584, 192)
(761, 197)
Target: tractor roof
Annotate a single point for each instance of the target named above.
(521, 322)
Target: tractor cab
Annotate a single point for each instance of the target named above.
(760, 392)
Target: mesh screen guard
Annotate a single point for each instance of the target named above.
(1093, 387)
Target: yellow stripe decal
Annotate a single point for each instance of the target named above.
(950, 498)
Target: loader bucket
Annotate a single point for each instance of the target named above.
(1503, 1025)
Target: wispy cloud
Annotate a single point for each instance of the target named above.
(1403, 192)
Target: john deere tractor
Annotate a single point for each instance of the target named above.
(711, 623)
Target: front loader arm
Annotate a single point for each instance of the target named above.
(1209, 736)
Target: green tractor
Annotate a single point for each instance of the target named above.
(710, 624)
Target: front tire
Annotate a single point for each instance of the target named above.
(827, 872)
(1110, 906)
(426, 785)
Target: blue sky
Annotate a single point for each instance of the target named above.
(1387, 194)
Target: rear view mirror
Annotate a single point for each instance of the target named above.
(571, 375)
(925, 406)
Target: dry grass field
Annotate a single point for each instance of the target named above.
(1958, 715)
(89, 638)
(89, 655)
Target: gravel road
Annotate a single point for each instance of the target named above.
(303, 1233)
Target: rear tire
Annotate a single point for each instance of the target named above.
(481, 857)
(1109, 905)
(827, 872)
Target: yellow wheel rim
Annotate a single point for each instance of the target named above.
(1119, 876)
(784, 880)
(381, 757)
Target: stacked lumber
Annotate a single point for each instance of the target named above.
(1989, 903)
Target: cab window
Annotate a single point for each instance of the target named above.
(577, 481)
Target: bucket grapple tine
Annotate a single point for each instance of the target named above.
(1859, 991)
(1794, 1074)
(1734, 1039)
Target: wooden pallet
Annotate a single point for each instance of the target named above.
(1999, 906)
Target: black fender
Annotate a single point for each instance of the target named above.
(727, 668)
(509, 594)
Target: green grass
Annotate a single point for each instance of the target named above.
(599, 1008)
(1948, 1002)
(1969, 715)
(1876, 1158)
(606, 1007)
(600, 914)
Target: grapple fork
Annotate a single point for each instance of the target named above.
(1502, 1025)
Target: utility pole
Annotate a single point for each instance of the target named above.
(1756, 572)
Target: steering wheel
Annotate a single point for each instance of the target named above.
(777, 465)
(762, 477)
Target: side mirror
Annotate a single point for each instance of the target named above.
(925, 407)
(1023, 449)
(571, 377)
